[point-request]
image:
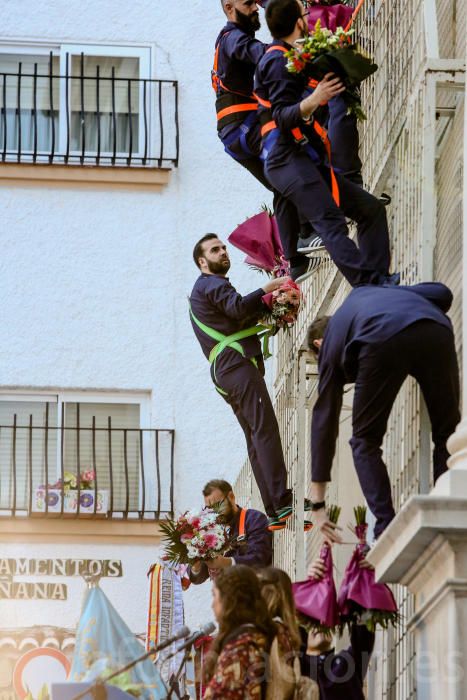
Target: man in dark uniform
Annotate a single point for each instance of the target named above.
(378, 337)
(295, 158)
(339, 674)
(218, 311)
(237, 54)
(251, 543)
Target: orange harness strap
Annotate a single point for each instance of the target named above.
(354, 15)
(241, 523)
(247, 107)
(299, 135)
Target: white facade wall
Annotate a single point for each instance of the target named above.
(94, 281)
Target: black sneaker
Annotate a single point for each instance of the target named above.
(393, 280)
(313, 244)
(307, 504)
(274, 523)
(385, 199)
(302, 272)
(307, 525)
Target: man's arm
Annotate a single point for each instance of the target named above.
(224, 296)
(325, 421)
(243, 47)
(362, 642)
(259, 541)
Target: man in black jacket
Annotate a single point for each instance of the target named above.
(378, 337)
(218, 311)
(250, 541)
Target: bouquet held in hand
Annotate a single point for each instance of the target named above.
(360, 598)
(316, 598)
(324, 51)
(194, 536)
(284, 305)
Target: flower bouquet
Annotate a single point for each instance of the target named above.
(324, 51)
(259, 238)
(283, 304)
(360, 598)
(194, 536)
(316, 599)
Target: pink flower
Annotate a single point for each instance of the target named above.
(210, 541)
(187, 537)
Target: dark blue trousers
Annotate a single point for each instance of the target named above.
(343, 135)
(289, 221)
(307, 186)
(425, 350)
(248, 396)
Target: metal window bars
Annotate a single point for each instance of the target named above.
(83, 119)
(114, 472)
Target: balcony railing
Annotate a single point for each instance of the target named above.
(82, 119)
(94, 472)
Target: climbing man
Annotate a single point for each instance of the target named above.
(237, 53)
(378, 337)
(298, 160)
(224, 324)
(250, 541)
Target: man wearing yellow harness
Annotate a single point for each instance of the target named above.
(225, 324)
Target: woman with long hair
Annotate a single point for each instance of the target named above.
(284, 678)
(236, 666)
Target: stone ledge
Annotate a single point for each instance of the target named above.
(31, 530)
(421, 520)
(94, 176)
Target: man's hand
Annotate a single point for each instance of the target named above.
(220, 563)
(329, 87)
(365, 564)
(196, 566)
(274, 284)
(329, 530)
(317, 569)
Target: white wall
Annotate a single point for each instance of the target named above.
(94, 283)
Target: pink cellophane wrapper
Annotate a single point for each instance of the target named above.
(330, 16)
(317, 598)
(268, 299)
(259, 238)
(359, 585)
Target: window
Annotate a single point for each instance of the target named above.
(85, 104)
(44, 437)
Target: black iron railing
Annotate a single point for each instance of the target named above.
(83, 119)
(93, 471)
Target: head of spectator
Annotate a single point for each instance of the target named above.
(276, 589)
(219, 493)
(316, 333)
(237, 604)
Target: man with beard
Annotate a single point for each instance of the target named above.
(223, 322)
(250, 541)
(296, 159)
(236, 57)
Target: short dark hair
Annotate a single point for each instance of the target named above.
(282, 16)
(316, 332)
(220, 484)
(198, 249)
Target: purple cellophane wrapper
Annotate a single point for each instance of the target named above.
(359, 585)
(258, 237)
(317, 598)
(330, 16)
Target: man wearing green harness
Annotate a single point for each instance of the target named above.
(225, 324)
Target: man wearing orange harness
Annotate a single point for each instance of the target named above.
(298, 158)
(250, 541)
(237, 54)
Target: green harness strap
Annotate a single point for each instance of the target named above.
(231, 341)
